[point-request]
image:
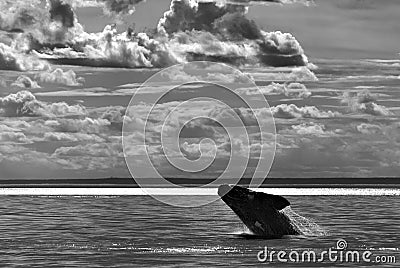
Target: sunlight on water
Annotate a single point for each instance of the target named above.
(306, 226)
(134, 249)
(197, 250)
(194, 191)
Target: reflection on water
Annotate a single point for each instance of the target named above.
(129, 231)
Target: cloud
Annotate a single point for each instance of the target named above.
(17, 104)
(10, 59)
(119, 7)
(311, 128)
(374, 109)
(62, 12)
(364, 96)
(188, 15)
(208, 112)
(178, 74)
(247, 116)
(58, 76)
(20, 14)
(86, 125)
(281, 49)
(364, 102)
(189, 31)
(88, 145)
(116, 8)
(13, 137)
(195, 150)
(297, 74)
(195, 130)
(369, 128)
(224, 17)
(14, 124)
(267, 2)
(292, 90)
(109, 48)
(203, 45)
(302, 74)
(31, 159)
(24, 81)
(94, 150)
(45, 165)
(6, 128)
(24, 103)
(39, 24)
(292, 111)
(70, 137)
(84, 92)
(208, 73)
(199, 129)
(235, 26)
(114, 114)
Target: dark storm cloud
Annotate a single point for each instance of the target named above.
(209, 16)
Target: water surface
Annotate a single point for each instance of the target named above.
(136, 231)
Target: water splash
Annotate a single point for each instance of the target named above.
(242, 230)
(304, 225)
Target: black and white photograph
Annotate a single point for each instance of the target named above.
(199, 133)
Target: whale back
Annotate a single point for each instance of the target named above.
(276, 201)
(260, 212)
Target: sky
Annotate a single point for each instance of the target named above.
(336, 114)
(329, 29)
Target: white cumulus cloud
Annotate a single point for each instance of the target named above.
(24, 81)
(24, 103)
(58, 76)
(292, 111)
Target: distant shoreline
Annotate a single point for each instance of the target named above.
(268, 183)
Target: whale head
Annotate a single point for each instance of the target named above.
(260, 212)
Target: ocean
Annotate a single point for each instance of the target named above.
(139, 231)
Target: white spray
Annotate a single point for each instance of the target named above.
(304, 225)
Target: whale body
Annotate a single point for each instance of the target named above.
(260, 212)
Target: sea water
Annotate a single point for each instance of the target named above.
(137, 231)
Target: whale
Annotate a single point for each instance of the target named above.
(260, 212)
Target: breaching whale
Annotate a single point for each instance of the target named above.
(260, 212)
